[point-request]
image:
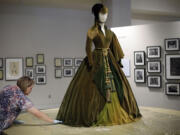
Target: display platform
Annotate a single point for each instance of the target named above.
(155, 121)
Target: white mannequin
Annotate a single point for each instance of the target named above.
(102, 20)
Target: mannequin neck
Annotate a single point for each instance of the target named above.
(102, 25)
(102, 28)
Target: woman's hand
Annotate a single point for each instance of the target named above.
(57, 122)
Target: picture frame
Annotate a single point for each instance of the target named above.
(29, 62)
(1, 74)
(154, 66)
(40, 79)
(14, 68)
(139, 58)
(172, 66)
(29, 72)
(154, 81)
(139, 75)
(58, 73)
(172, 44)
(40, 69)
(57, 62)
(68, 72)
(40, 58)
(78, 61)
(153, 51)
(1, 62)
(68, 62)
(172, 89)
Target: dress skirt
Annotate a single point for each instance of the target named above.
(85, 103)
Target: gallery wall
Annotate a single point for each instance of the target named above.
(26, 31)
(137, 38)
(55, 32)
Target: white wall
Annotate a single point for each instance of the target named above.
(27, 31)
(137, 38)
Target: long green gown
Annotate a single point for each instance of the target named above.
(85, 102)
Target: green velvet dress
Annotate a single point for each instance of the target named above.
(99, 93)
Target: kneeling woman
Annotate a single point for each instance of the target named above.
(13, 100)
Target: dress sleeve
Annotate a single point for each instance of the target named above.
(89, 48)
(116, 48)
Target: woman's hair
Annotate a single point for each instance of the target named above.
(24, 82)
(97, 8)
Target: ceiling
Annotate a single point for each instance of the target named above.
(140, 8)
(77, 4)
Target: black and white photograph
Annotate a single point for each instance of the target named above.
(77, 61)
(40, 69)
(172, 89)
(57, 62)
(68, 72)
(58, 73)
(40, 79)
(68, 62)
(139, 58)
(1, 62)
(172, 44)
(153, 51)
(154, 66)
(139, 75)
(154, 81)
(172, 66)
(29, 72)
(14, 68)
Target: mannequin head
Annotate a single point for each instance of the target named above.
(100, 13)
(102, 17)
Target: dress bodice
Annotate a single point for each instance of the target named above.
(101, 41)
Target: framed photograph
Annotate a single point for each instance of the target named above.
(154, 81)
(68, 72)
(172, 66)
(1, 75)
(40, 58)
(172, 44)
(1, 62)
(14, 68)
(77, 61)
(154, 66)
(68, 62)
(40, 69)
(139, 75)
(57, 62)
(172, 89)
(153, 52)
(29, 72)
(29, 61)
(139, 58)
(40, 79)
(58, 73)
